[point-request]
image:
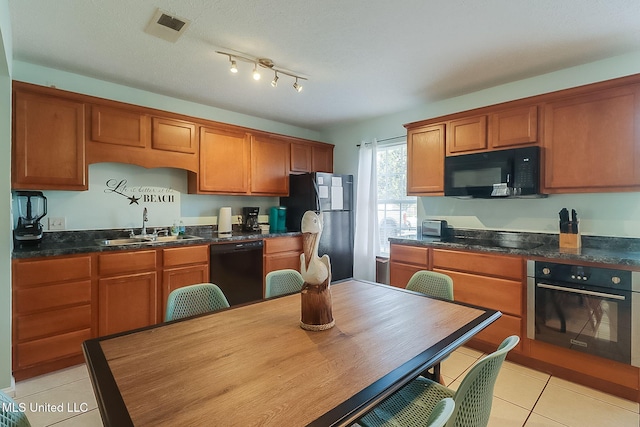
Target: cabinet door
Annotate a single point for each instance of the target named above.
(174, 278)
(514, 127)
(300, 157)
(468, 134)
(224, 161)
(592, 142)
(322, 158)
(425, 160)
(400, 273)
(119, 127)
(269, 166)
(48, 144)
(173, 135)
(127, 302)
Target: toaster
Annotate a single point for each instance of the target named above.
(434, 229)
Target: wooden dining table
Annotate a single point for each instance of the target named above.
(253, 365)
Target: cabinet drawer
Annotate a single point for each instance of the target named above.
(34, 299)
(173, 257)
(283, 244)
(51, 348)
(399, 273)
(498, 294)
(125, 262)
(53, 322)
(480, 263)
(410, 254)
(37, 272)
(496, 332)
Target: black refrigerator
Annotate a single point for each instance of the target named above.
(333, 195)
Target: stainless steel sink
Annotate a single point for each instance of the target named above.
(147, 240)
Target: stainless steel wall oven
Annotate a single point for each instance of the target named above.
(588, 309)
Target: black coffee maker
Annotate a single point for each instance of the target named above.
(250, 216)
(32, 207)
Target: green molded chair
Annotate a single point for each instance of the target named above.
(413, 404)
(194, 299)
(437, 285)
(280, 282)
(432, 283)
(10, 414)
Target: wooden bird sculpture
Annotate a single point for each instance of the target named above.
(316, 272)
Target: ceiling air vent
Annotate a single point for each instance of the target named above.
(167, 27)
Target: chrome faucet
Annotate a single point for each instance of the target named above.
(144, 222)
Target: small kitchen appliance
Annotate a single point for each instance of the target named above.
(434, 229)
(32, 207)
(277, 219)
(250, 216)
(224, 222)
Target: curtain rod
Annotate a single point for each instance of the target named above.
(386, 140)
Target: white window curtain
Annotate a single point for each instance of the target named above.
(366, 240)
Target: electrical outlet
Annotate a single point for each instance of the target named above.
(57, 223)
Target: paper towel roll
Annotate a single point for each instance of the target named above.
(224, 221)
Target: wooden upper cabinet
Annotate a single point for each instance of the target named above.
(592, 142)
(515, 126)
(300, 157)
(322, 158)
(467, 134)
(174, 135)
(224, 162)
(48, 143)
(425, 160)
(269, 166)
(119, 126)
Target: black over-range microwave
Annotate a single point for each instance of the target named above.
(503, 173)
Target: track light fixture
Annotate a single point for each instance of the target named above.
(264, 63)
(296, 86)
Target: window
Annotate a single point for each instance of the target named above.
(397, 212)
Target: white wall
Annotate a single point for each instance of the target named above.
(5, 195)
(612, 214)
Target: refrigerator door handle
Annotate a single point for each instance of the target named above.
(316, 193)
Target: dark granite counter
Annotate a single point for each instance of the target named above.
(596, 249)
(78, 242)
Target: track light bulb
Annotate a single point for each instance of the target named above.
(256, 74)
(234, 66)
(274, 82)
(296, 86)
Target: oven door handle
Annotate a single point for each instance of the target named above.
(581, 291)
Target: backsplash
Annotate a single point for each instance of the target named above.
(601, 214)
(118, 193)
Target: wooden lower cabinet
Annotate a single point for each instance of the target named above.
(280, 253)
(405, 261)
(127, 302)
(488, 280)
(52, 313)
(183, 266)
(127, 291)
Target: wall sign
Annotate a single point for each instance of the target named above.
(142, 194)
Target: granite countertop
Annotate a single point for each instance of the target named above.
(78, 242)
(596, 249)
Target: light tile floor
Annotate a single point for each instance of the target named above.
(522, 397)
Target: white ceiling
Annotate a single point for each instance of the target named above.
(363, 58)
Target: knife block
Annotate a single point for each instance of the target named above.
(570, 240)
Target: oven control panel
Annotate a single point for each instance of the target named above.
(579, 274)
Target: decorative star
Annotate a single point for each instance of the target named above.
(133, 199)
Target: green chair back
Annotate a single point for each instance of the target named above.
(415, 403)
(10, 414)
(432, 283)
(474, 397)
(281, 282)
(193, 300)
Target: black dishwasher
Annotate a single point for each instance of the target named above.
(236, 267)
